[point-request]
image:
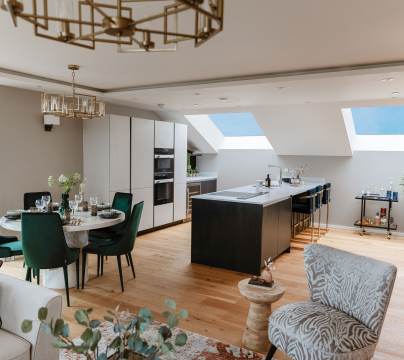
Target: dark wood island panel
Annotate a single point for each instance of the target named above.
(239, 236)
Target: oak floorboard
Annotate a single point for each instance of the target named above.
(163, 269)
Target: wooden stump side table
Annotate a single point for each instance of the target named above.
(255, 335)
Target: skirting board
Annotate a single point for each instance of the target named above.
(368, 230)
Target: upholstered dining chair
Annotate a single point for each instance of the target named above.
(10, 246)
(44, 246)
(117, 245)
(349, 299)
(122, 202)
(31, 197)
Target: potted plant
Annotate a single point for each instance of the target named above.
(66, 183)
(129, 342)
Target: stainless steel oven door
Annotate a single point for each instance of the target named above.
(163, 192)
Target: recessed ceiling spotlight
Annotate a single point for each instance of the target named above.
(280, 87)
(161, 105)
(395, 94)
(224, 99)
(196, 105)
(389, 79)
(197, 93)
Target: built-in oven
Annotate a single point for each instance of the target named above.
(163, 163)
(163, 191)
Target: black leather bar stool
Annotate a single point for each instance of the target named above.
(326, 200)
(305, 204)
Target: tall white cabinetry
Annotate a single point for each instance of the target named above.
(119, 155)
(180, 171)
(143, 168)
(96, 157)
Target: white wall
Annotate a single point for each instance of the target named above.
(348, 175)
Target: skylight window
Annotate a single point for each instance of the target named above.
(236, 124)
(384, 120)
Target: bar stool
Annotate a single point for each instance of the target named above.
(326, 200)
(304, 204)
(319, 203)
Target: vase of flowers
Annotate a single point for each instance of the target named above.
(66, 183)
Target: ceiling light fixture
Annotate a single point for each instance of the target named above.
(132, 25)
(196, 105)
(389, 79)
(395, 94)
(72, 106)
(223, 99)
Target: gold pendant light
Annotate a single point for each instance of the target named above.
(72, 106)
(132, 25)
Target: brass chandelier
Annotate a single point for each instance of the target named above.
(132, 25)
(72, 106)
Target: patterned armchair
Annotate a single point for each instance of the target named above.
(349, 299)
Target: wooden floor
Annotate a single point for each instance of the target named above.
(162, 261)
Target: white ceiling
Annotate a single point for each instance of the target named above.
(260, 36)
(270, 44)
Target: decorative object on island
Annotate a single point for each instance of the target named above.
(77, 106)
(128, 342)
(66, 183)
(144, 25)
(255, 335)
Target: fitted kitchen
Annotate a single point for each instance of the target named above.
(237, 228)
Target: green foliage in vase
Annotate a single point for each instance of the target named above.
(65, 182)
(128, 328)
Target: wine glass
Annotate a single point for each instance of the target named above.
(79, 199)
(72, 205)
(39, 204)
(46, 201)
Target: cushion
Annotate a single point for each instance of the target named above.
(13, 347)
(311, 330)
(14, 246)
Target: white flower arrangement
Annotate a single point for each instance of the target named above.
(65, 182)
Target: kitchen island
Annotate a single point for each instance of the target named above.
(239, 228)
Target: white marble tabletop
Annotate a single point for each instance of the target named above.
(273, 195)
(88, 222)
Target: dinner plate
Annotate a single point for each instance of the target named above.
(109, 215)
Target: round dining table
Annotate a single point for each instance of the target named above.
(76, 237)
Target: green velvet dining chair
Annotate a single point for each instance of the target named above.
(44, 246)
(10, 246)
(122, 202)
(31, 197)
(117, 245)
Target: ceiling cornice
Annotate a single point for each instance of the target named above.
(261, 76)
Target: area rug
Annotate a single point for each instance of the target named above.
(198, 347)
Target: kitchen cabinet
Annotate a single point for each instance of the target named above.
(119, 152)
(180, 171)
(142, 153)
(208, 186)
(163, 135)
(96, 157)
(163, 214)
(146, 195)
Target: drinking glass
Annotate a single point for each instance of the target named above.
(94, 205)
(79, 199)
(39, 204)
(72, 204)
(46, 201)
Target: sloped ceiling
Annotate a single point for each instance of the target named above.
(305, 129)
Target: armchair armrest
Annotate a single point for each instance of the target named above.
(20, 300)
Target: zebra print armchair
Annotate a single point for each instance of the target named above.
(349, 299)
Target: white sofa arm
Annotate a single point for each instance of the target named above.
(20, 300)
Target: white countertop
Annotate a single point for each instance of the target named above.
(275, 194)
(198, 178)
